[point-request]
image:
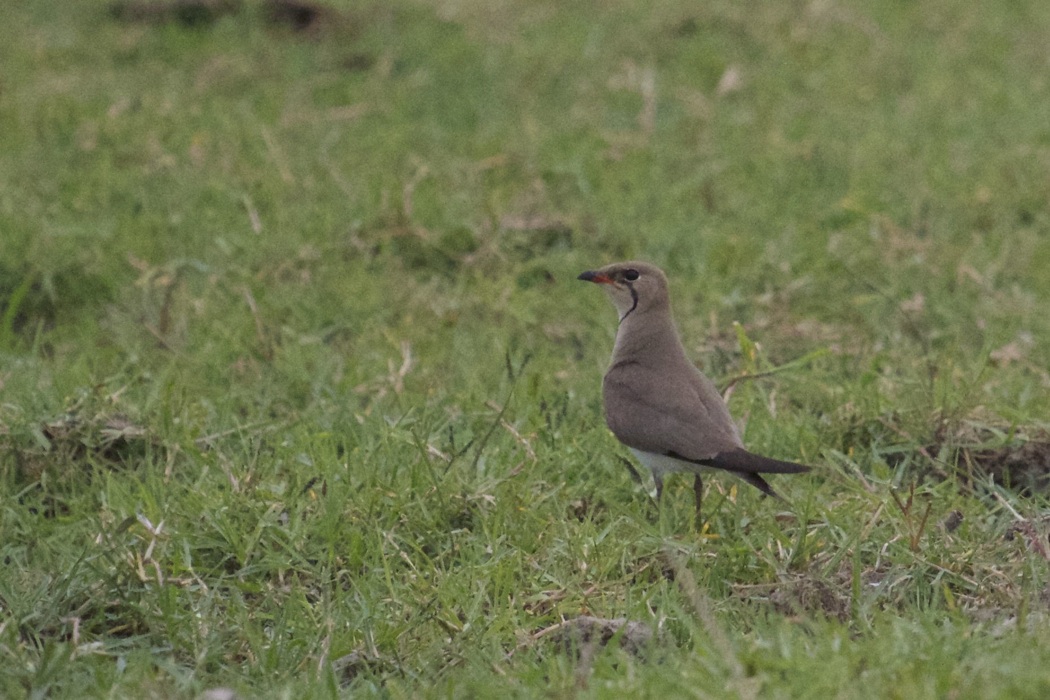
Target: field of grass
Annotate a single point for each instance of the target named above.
(300, 397)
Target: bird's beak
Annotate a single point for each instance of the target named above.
(592, 276)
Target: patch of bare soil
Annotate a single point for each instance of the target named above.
(805, 595)
(578, 634)
(972, 449)
(297, 15)
(1024, 467)
(70, 443)
(55, 458)
(1016, 458)
(1034, 533)
(315, 20)
(188, 13)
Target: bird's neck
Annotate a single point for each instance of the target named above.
(647, 333)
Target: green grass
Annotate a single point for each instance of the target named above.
(299, 395)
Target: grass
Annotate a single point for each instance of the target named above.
(299, 395)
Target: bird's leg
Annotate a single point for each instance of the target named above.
(634, 472)
(698, 491)
(659, 493)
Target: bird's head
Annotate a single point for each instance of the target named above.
(632, 286)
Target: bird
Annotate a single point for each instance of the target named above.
(656, 401)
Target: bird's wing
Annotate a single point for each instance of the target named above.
(689, 422)
(742, 461)
(648, 411)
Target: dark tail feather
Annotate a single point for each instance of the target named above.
(743, 461)
(759, 483)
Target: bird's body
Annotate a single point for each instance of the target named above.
(656, 401)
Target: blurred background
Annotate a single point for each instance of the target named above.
(261, 257)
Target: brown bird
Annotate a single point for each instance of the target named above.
(657, 402)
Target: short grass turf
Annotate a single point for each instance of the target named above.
(299, 396)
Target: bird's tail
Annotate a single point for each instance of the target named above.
(743, 461)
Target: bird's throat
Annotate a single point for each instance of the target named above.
(634, 303)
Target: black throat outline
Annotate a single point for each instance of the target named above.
(634, 298)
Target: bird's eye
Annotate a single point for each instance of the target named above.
(631, 275)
